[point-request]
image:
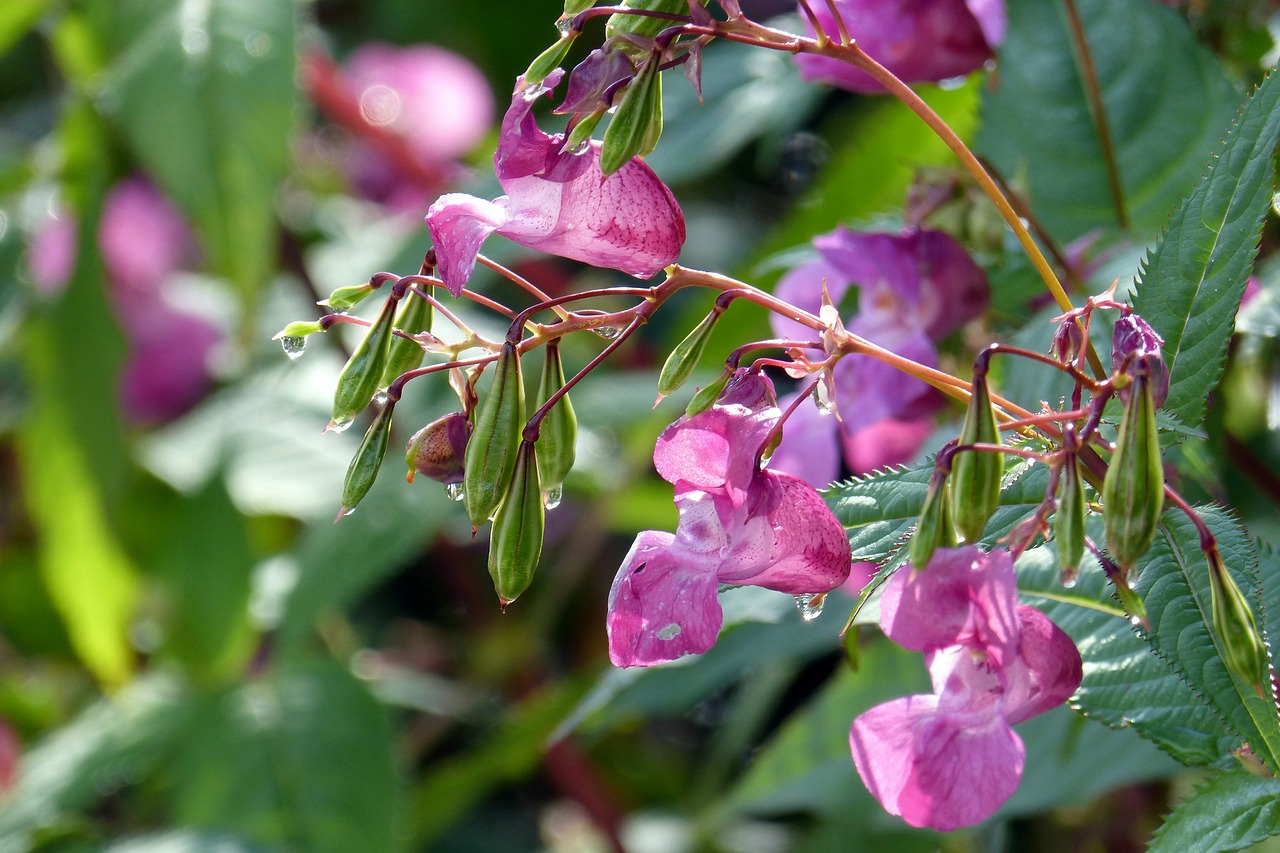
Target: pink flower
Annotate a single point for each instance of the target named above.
(559, 202)
(913, 289)
(918, 40)
(738, 525)
(950, 758)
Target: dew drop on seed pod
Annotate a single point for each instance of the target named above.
(339, 426)
(454, 491)
(294, 347)
(810, 605)
(551, 497)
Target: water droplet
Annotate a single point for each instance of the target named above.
(454, 491)
(195, 41)
(339, 426)
(1135, 621)
(1070, 581)
(606, 332)
(810, 605)
(294, 347)
(257, 43)
(380, 398)
(669, 632)
(551, 497)
(822, 399)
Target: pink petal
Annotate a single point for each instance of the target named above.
(941, 770)
(663, 603)
(51, 255)
(459, 224)
(1047, 670)
(143, 238)
(884, 443)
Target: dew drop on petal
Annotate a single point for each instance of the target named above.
(810, 605)
(294, 347)
(454, 491)
(551, 497)
(669, 632)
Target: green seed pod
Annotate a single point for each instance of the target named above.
(345, 298)
(558, 435)
(621, 24)
(491, 452)
(637, 122)
(975, 475)
(1243, 650)
(359, 379)
(708, 394)
(1133, 489)
(583, 129)
(516, 544)
(549, 59)
(364, 466)
(576, 7)
(1068, 522)
(934, 530)
(684, 358)
(405, 355)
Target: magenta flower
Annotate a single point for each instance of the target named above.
(559, 202)
(738, 525)
(918, 40)
(913, 289)
(950, 758)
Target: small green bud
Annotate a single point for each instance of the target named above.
(491, 452)
(934, 530)
(516, 544)
(558, 434)
(637, 123)
(582, 130)
(708, 394)
(1133, 489)
(359, 379)
(975, 475)
(684, 358)
(405, 355)
(364, 466)
(1243, 650)
(346, 298)
(1068, 521)
(298, 329)
(549, 60)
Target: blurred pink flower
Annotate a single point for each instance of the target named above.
(918, 40)
(438, 102)
(560, 203)
(913, 289)
(950, 758)
(738, 525)
(10, 757)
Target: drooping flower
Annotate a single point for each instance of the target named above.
(950, 758)
(559, 202)
(738, 525)
(1136, 348)
(913, 289)
(918, 40)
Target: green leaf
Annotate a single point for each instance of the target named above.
(300, 759)
(1166, 100)
(1174, 585)
(1229, 811)
(184, 842)
(204, 94)
(1193, 282)
(17, 17)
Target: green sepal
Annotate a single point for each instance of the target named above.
(706, 396)
(1068, 520)
(975, 475)
(516, 544)
(637, 123)
(549, 60)
(1133, 489)
(583, 129)
(1242, 647)
(298, 329)
(415, 316)
(680, 365)
(364, 466)
(345, 298)
(360, 378)
(558, 433)
(491, 452)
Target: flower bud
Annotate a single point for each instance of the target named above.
(1240, 641)
(975, 475)
(558, 434)
(437, 450)
(491, 452)
(934, 530)
(516, 544)
(1133, 490)
(549, 60)
(298, 329)
(345, 298)
(708, 394)
(593, 81)
(1135, 349)
(1068, 521)
(684, 358)
(360, 377)
(415, 316)
(1068, 340)
(637, 123)
(364, 466)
